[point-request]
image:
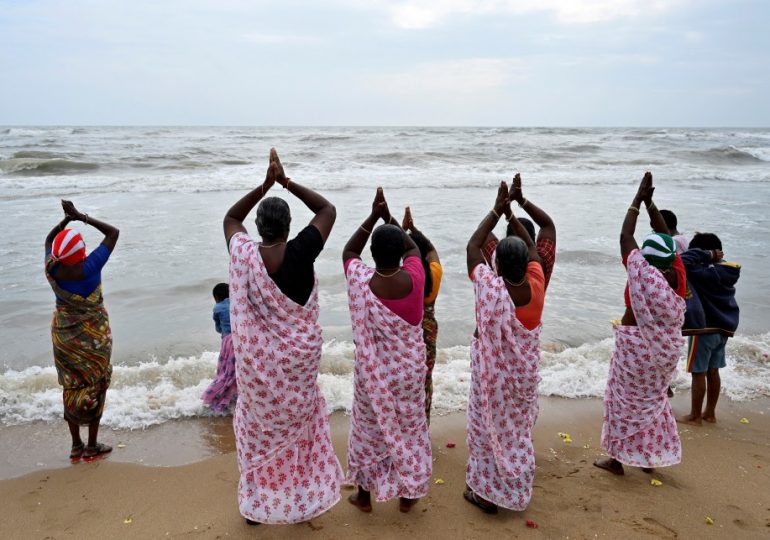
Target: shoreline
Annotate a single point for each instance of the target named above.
(725, 469)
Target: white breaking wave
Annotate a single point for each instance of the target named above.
(154, 392)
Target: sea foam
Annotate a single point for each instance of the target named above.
(154, 392)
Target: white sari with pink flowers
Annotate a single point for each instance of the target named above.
(502, 407)
(389, 448)
(289, 472)
(639, 426)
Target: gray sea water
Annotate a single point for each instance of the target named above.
(167, 189)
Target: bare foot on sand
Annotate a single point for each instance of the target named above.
(690, 419)
(610, 464)
(405, 505)
(361, 502)
(710, 419)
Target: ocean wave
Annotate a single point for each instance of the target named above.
(154, 392)
(731, 154)
(37, 166)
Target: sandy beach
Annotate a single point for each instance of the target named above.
(725, 476)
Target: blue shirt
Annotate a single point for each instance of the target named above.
(92, 273)
(222, 317)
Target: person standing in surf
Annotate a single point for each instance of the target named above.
(433, 272)
(80, 330)
(389, 448)
(505, 352)
(288, 470)
(639, 427)
(223, 390)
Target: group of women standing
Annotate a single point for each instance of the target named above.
(289, 471)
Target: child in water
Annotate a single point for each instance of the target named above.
(222, 392)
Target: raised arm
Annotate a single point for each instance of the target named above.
(110, 233)
(522, 233)
(325, 213)
(543, 220)
(355, 245)
(233, 222)
(474, 249)
(59, 227)
(408, 225)
(627, 240)
(657, 222)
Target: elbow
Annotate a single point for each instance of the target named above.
(331, 211)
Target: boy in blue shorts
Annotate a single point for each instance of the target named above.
(711, 318)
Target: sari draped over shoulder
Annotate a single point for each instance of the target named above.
(82, 347)
(639, 426)
(389, 448)
(502, 407)
(289, 472)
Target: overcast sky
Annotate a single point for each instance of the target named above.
(373, 62)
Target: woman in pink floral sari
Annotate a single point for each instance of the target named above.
(502, 407)
(389, 448)
(639, 426)
(289, 472)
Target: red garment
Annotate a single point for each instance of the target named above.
(681, 279)
(410, 307)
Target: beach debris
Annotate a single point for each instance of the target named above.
(532, 524)
(655, 482)
(128, 520)
(450, 444)
(439, 481)
(744, 420)
(121, 445)
(565, 437)
(709, 520)
(586, 446)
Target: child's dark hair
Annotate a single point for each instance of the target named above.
(707, 241)
(670, 218)
(423, 244)
(221, 291)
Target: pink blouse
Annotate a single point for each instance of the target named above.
(410, 307)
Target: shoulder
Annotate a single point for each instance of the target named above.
(239, 240)
(435, 269)
(309, 234)
(482, 273)
(535, 271)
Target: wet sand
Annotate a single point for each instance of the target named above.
(725, 476)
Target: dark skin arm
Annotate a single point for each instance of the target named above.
(474, 249)
(355, 245)
(408, 225)
(233, 222)
(522, 233)
(59, 227)
(627, 240)
(325, 213)
(543, 220)
(111, 234)
(657, 222)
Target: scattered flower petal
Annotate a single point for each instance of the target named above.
(531, 524)
(709, 521)
(128, 521)
(439, 481)
(450, 445)
(121, 445)
(655, 482)
(744, 420)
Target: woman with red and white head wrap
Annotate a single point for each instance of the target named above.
(80, 330)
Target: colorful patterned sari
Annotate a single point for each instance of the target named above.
(502, 407)
(289, 472)
(429, 336)
(639, 427)
(389, 448)
(82, 346)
